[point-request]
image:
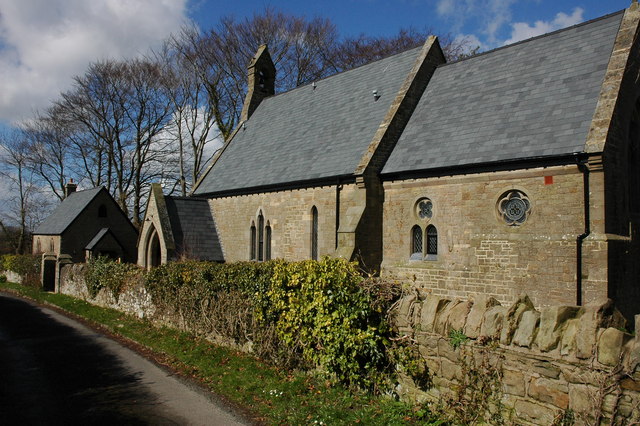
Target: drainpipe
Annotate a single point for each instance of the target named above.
(338, 188)
(584, 168)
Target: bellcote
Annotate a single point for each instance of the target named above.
(261, 81)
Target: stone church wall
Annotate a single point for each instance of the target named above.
(288, 213)
(478, 253)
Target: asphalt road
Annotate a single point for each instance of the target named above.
(54, 370)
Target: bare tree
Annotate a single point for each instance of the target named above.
(191, 85)
(298, 47)
(356, 51)
(22, 205)
(113, 115)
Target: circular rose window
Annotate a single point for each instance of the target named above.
(424, 208)
(514, 207)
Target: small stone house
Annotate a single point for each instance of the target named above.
(513, 171)
(87, 224)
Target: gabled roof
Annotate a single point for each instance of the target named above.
(532, 99)
(99, 236)
(193, 228)
(67, 212)
(310, 133)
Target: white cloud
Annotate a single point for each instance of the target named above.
(523, 31)
(43, 43)
(488, 16)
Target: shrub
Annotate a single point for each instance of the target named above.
(25, 265)
(21, 264)
(103, 272)
(309, 314)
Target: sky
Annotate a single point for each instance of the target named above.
(44, 43)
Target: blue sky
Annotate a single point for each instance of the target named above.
(44, 43)
(490, 21)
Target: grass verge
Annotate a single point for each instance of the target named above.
(270, 394)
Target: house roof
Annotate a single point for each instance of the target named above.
(91, 245)
(310, 133)
(64, 215)
(531, 99)
(193, 228)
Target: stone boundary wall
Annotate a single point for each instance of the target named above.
(13, 277)
(550, 361)
(559, 360)
(133, 300)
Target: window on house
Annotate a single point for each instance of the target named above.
(252, 254)
(314, 233)
(267, 243)
(102, 211)
(432, 241)
(260, 237)
(416, 243)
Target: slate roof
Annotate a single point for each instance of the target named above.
(309, 133)
(532, 99)
(97, 238)
(66, 212)
(193, 228)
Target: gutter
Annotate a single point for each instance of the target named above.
(582, 164)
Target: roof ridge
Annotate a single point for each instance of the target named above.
(293, 89)
(549, 34)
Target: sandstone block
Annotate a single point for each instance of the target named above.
(546, 369)
(552, 323)
(405, 311)
(550, 391)
(610, 346)
(513, 382)
(458, 316)
(633, 360)
(442, 319)
(480, 306)
(445, 350)
(527, 329)
(431, 307)
(493, 322)
(450, 370)
(513, 317)
(534, 413)
(581, 399)
(568, 342)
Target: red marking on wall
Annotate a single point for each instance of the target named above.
(548, 180)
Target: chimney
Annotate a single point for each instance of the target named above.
(69, 188)
(262, 78)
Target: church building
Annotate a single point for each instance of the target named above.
(512, 171)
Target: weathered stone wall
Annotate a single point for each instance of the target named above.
(550, 362)
(478, 253)
(133, 300)
(289, 215)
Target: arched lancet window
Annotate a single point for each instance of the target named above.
(260, 237)
(432, 240)
(51, 246)
(416, 242)
(102, 211)
(252, 254)
(267, 242)
(314, 233)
